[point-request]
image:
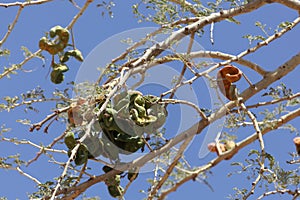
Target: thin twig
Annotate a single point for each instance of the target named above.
(79, 14)
(8, 167)
(11, 26)
(38, 126)
(42, 148)
(170, 168)
(185, 65)
(187, 5)
(49, 146)
(179, 101)
(262, 147)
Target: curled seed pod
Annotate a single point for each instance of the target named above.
(70, 140)
(81, 155)
(55, 30)
(57, 76)
(115, 191)
(43, 45)
(296, 141)
(53, 47)
(226, 76)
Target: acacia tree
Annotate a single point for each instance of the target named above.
(105, 122)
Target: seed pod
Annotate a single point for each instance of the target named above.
(74, 53)
(297, 144)
(132, 174)
(229, 144)
(115, 191)
(43, 45)
(70, 140)
(61, 67)
(53, 47)
(74, 114)
(106, 168)
(114, 180)
(81, 155)
(55, 30)
(226, 76)
(57, 76)
(212, 147)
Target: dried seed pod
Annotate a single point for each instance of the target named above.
(212, 147)
(297, 144)
(226, 76)
(74, 113)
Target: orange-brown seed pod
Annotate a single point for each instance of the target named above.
(225, 77)
(297, 144)
(75, 114)
(212, 147)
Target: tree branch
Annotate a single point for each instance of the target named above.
(23, 4)
(271, 77)
(293, 4)
(283, 120)
(11, 26)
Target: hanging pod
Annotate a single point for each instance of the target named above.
(226, 76)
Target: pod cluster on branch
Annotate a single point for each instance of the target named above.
(120, 129)
(56, 44)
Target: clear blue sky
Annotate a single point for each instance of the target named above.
(90, 30)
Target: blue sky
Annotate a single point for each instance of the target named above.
(90, 30)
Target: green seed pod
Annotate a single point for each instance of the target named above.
(106, 168)
(74, 53)
(55, 30)
(132, 174)
(77, 55)
(115, 191)
(114, 180)
(70, 140)
(64, 36)
(81, 155)
(57, 76)
(61, 67)
(59, 44)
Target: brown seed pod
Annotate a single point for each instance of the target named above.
(212, 147)
(225, 77)
(74, 113)
(297, 144)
